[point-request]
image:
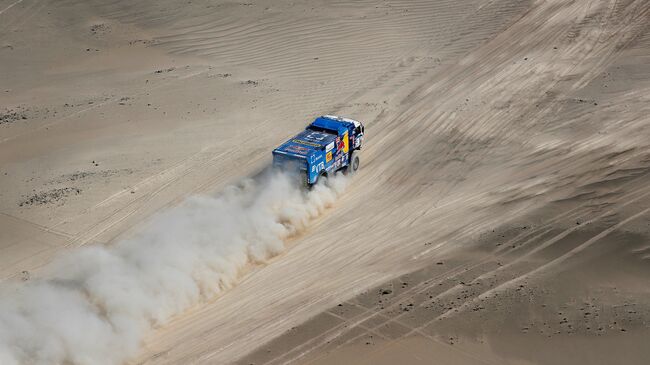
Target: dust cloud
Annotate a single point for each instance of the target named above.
(93, 305)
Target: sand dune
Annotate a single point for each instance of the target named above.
(503, 190)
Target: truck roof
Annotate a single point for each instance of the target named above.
(305, 143)
(316, 136)
(334, 123)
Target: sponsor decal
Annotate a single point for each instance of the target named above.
(328, 157)
(317, 136)
(298, 149)
(306, 143)
(329, 147)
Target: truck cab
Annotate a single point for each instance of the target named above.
(327, 145)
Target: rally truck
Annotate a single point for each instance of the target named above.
(329, 144)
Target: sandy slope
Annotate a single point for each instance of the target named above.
(494, 128)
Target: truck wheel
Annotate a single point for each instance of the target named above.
(354, 163)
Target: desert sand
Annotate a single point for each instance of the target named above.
(501, 214)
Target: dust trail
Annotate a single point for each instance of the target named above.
(94, 304)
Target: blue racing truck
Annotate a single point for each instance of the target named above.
(327, 145)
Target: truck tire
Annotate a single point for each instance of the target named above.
(354, 163)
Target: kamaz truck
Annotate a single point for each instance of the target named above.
(329, 144)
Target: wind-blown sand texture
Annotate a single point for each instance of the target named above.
(501, 214)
